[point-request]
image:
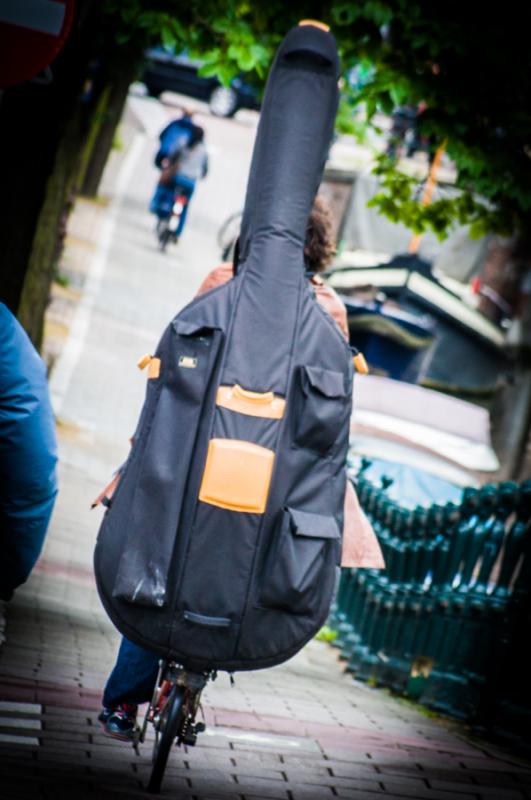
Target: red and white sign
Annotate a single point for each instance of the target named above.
(31, 34)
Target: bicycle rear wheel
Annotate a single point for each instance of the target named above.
(164, 237)
(167, 730)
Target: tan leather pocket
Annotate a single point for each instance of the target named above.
(237, 475)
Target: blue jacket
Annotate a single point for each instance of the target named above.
(28, 454)
(174, 136)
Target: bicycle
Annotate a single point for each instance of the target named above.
(172, 711)
(168, 226)
(227, 235)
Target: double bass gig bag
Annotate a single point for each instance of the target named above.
(222, 543)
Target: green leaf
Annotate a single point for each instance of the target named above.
(209, 70)
(168, 39)
(326, 634)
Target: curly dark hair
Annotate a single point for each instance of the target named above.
(319, 246)
(197, 135)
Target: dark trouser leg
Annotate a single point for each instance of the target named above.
(161, 203)
(133, 677)
(187, 192)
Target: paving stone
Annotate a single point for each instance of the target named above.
(297, 774)
(249, 797)
(432, 774)
(356, 794)
(243, 757)
(484, 793)
(263, 786)
(346, 769)
(370, 785)
(396, 765)
(79, 759)
(244, 773)
(202, 781)
(219, 797)
(462, 786)
(417, 789)
(304, 792)
(202, 790)
(51, 746)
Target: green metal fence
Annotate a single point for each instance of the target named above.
(439, 623)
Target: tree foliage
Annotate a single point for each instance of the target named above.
(469, 64)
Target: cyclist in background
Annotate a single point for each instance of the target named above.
(180, 173)
(174, 137)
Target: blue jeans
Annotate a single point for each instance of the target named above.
(133, 677)
(162, 201)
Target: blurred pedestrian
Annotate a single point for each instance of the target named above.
(28, 455)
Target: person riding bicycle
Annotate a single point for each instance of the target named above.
(133, 677)
(180, 173)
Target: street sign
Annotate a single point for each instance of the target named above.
(32, 32)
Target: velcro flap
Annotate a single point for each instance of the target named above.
(326, 381)
(184, 328)
(306, 523)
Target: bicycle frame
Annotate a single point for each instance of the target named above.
(172, 674)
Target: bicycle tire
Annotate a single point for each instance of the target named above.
(164, 238)
(170, 724)
(230, 226)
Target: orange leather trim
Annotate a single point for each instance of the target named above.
(361, 365)
(315, 23)
(254, 404)
(154, 365)
(144, 361)
(154, 368)
(237, 475)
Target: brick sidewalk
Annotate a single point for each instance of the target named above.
(299, 731)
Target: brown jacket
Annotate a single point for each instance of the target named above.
(360, 545)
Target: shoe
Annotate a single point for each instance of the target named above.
(104, 715)
(119, 722)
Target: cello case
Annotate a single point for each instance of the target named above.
(221, 547)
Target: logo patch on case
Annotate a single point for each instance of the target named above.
(188, 362)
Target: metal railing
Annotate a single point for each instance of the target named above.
(439, 623)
